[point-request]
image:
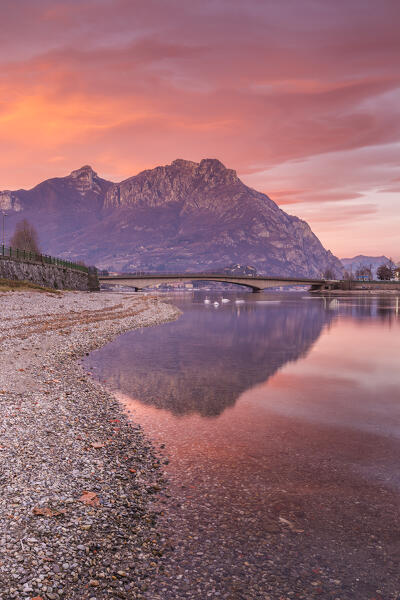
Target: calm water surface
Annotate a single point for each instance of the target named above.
(280, 414)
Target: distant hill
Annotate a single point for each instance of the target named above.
(373, 262)
(185, 216)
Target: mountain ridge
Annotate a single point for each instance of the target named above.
(361, 260)
(183, 216)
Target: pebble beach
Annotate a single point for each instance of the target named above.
(77, 479)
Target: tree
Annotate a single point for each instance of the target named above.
(329, 274)
(348, 276)
(384, 273)
(25, 237)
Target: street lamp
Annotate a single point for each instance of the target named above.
(4, 228)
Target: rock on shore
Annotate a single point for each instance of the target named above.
(76, 479)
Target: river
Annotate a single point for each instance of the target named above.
(278, 416)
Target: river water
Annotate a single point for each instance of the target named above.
(280, 416)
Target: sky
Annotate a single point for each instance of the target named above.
(300, 97)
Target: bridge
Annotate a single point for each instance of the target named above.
(139, 281)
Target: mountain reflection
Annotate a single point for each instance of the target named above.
(205, 360)
(202, 362)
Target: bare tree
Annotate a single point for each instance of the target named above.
(385, 273)
(329, 274)
(25, 237)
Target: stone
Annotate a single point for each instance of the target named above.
(46, 275)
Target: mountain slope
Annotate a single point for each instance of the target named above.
(183, 216)
(371, 262)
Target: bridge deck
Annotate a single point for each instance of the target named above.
(205, 277)
(256, 283)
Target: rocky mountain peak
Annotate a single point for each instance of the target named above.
(208, 169)
(196, 216)
(212, 164)
(181, 163)
(84, 179)
(85, 171)
(213, 171)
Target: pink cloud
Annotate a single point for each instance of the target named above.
(277, 91)
(300, 197)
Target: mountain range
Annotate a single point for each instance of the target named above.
(371, 262)
(185, 216)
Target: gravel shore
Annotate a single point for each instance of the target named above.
(76, 478)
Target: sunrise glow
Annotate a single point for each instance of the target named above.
(302, 100)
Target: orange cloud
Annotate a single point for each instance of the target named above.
(294, 96)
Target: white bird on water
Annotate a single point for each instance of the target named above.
(216, 304)
(207, 301)
(225, 300)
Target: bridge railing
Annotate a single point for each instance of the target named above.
(26, 255)
(185, 274)
(206, 275)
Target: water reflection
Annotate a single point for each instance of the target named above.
(204, 361)
(297, 484)
(384, 308)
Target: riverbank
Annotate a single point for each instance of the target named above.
(358, 292)
(76, 478)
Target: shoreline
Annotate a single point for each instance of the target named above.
(356, 292)
(77, 476)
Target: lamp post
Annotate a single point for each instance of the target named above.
(4, 228)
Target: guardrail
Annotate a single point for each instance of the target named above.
(206, 275)
(16, 254)
(183, 273)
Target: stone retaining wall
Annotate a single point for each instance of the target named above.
(47, 275)
(371, 285)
